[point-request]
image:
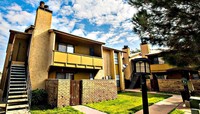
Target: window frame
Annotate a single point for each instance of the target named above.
(66, 45)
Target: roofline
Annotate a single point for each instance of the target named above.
(19, 32)
(109, 48)
(71, 35)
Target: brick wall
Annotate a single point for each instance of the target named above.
(98, 90)
(92, 91)
(170, 85)
(63, 93)
(174, 85)
(52, 90)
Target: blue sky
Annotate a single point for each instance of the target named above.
(108, 21)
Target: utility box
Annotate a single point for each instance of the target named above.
(195, 105)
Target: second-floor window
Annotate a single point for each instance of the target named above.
(65, 48)
(116, 58)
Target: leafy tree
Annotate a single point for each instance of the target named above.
(171, 23)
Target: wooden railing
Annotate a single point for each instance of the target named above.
(160, 67)
(71, 59)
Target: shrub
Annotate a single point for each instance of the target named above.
(39, 97)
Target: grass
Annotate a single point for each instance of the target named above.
(176, 111)
(48, 110)
(126, 103)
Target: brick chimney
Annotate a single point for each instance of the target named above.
(43, 17)
(145, 49)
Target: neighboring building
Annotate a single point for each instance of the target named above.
(41, 54)
(159, 69)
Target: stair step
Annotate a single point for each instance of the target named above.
(16, 92)
(18, 111)
(17, 96)
(17, 78)
(2, 112)
(18, 70)
(17, 89)
(18, 65)
(11, 82)
(17, 106)
(18, 73)
(17, 100)
(17, 85)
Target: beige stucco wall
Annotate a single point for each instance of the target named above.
(39, 49)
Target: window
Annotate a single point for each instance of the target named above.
(116, 58)
(62, 47)
(70, 49)
(91, 76)
(60, 76)
(65, 48)
(65, 76)
(118, 80)
(92, 51)
(69, 76)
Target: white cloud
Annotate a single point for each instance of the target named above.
(133, 38)
(34, 3)
(20, 17)
(93, 35)
(78, 32)
(14, 7)
(54, 5)
(66, 10)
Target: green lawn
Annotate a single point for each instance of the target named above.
(46, 110)
(126, 103)
(176, 111)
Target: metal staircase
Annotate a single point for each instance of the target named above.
(17, 96)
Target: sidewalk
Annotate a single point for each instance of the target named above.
(87, 110)
(165, 106)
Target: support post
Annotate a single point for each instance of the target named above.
(144, 95)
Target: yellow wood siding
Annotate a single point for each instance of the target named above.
(87, 60)
(106, 59)
(82, 50)
(160, 67)
(60, 57)
(117, 69)
(75, 60)
(79, 76)
(97, 62)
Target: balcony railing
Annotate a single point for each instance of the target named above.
(77, 60)
(160, 67)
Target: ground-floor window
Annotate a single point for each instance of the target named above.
(118, 80)
(65, 76)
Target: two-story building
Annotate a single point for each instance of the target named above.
(40, 53)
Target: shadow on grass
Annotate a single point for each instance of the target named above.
(41, 107)
(150, 95)
(138, 108)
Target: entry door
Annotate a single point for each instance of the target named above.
(75, 92)
(20, 50)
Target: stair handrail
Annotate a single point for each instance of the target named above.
(28, 85)
(8, 80)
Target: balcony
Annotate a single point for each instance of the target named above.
(76, 60)
(160, 67)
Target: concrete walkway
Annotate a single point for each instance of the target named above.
(165, 106)
(87, 110)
